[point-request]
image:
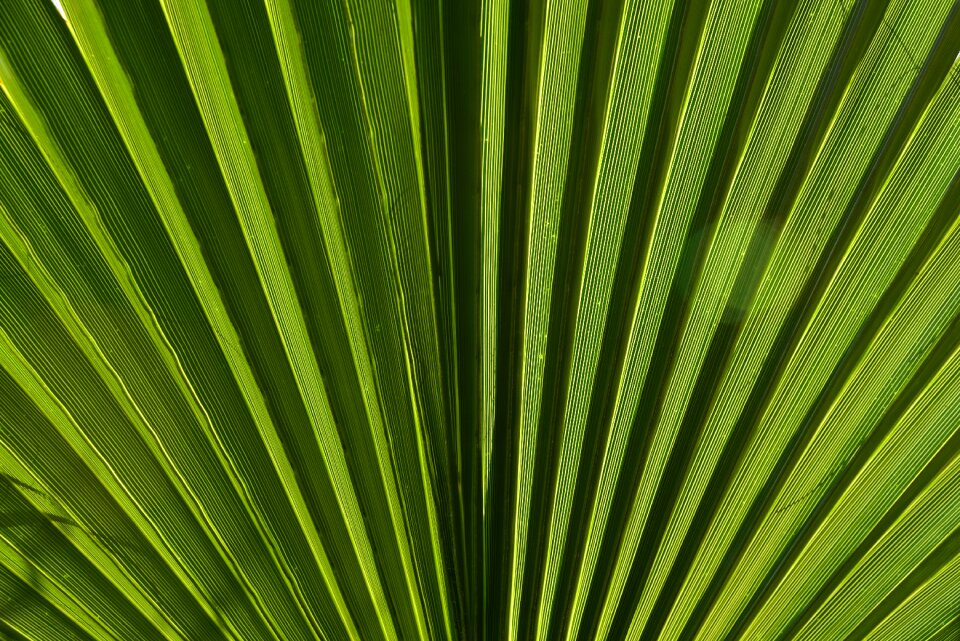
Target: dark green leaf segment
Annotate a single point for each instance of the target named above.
(480, 320)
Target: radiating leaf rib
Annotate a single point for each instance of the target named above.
(456, 465)
(607, 196)
(382, 63)
(22, 568)
(932, 606)
(118, 93)
(852, 274)
(754, 186)
(141, 410)
(37, 531)
(638, 20)
(236, 538)
(494, 27)
(368, 141)
(892, 558)
(200, 413)
(558, 64)
(29, 614)
(192, 29)
(272, 132)
(882, 483)
(486, 171)
(901, 345)
(132, 413)
(785, 264)
(393, 144)
(65, 461)
(777, 101)
(300, 95)
(705, 95)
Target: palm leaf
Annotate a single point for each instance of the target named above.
(529, 320)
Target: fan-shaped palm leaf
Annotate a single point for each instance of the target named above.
(480, 319)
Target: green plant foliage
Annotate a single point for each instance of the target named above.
(480, 320)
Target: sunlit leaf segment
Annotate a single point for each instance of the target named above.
(480, 320)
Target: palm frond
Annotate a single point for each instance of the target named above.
(480, 319)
